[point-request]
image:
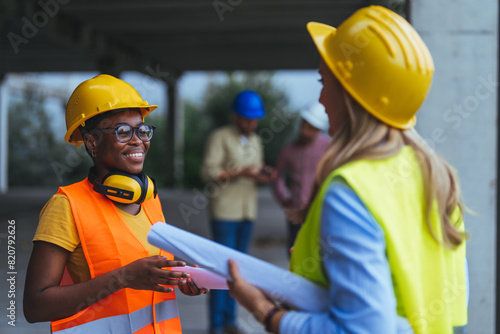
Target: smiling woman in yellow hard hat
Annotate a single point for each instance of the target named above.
(95, 231)
(384, 228)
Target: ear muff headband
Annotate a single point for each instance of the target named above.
(123, 187)
(149, 190)
(148, 187)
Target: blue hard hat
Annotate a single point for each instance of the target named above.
(249, 105)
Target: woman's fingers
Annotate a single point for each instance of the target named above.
(246, 294)
(234, 272)
(173, 263)
(189, 288)
(170, 277)
(153, 272)
(165, 289)
(168, 274)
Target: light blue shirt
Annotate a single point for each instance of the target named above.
(354, 256)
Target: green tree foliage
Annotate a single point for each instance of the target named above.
(36, 156)
(155, 164)
(196, 130)
(39, 157)
(275, 129)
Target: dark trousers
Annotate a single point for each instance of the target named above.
(293, 230)
(237, 235)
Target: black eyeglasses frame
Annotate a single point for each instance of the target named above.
(135, 129)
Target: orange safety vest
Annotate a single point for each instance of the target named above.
(108, 243)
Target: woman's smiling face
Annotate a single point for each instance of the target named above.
(113, 155)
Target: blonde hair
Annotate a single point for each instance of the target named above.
(363, 136)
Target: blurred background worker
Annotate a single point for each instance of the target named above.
(233, 163)
(296, 165)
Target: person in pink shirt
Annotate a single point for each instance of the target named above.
(296, 165)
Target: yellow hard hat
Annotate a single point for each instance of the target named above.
(380, 60)
(98, 95)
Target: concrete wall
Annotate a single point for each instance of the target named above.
(459, 119)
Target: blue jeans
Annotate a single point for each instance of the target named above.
(237, 235)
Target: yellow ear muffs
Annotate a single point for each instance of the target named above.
(123, 187)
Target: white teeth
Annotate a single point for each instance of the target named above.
(135, 155)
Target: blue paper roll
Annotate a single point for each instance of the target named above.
(279, 284)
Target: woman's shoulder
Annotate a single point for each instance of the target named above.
(56, 224)
(222, 134)
(343, 203)
(224, 130)
(58, 200)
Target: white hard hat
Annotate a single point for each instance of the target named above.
(316, 116)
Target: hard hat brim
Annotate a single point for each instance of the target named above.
(319, 32)
(252, 114)
(316, 116)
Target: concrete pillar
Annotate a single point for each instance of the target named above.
(175, 134)
(459, 119)
(4, 136)
(179, 142)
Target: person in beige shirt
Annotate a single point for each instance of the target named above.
(233, 167)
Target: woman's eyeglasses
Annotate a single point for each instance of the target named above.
(124, 132)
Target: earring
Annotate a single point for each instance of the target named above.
(94, 154)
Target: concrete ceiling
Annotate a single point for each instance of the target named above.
(163, 38)
(160, 36)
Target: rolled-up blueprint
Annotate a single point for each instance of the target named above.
(204, 278)
(279, 284)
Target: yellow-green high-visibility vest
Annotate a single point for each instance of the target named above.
(428, 278)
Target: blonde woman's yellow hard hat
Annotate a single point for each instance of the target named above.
(380, 60)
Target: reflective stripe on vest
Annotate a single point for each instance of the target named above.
(428, 279)
(108, 243)
(128, 323)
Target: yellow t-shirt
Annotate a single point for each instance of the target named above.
(57, 226)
